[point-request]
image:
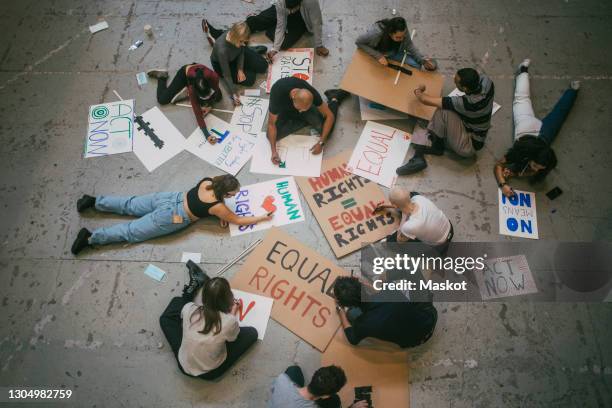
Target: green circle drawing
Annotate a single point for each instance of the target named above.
(99, 112)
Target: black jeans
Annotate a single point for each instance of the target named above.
(172, 326)
(253, 64)
(266, 21)
(297, 376)
(312, 117)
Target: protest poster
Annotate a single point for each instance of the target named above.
(457, 92)
(254, 310)
(343, 204)
(251, 115)
(110, 128)
(375, 111)
(156, 140)
(299, 280)
(232, 150)
(379, 151)
(279, 196)
(505, 277)
(386, 370)
(294, 62)
(518, 216)
(294, 151)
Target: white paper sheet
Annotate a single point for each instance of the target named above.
(156, 148)
(295, 155)
(110, 128)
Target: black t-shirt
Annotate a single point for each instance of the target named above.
(280, 99)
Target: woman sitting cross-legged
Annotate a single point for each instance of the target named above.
(162, 213)
(206, 340)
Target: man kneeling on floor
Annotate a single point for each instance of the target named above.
(289, 389)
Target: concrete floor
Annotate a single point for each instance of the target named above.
(90, 323)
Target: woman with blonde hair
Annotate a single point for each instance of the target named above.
(235, 62)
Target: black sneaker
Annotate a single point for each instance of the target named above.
(197, 278)
(337, 94)
(414, 165)
(158, 73)
(81, 242)
(85, 202)
(433, 149)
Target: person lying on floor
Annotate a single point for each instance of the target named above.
(194, 81)
(531, 155)
(235, 62)
(294, 104)
(390, 39)
(407, 324)
(206, 340)
(161, 213)
(460, 123)
(284, 23)
(290, 389)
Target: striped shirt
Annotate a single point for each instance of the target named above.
(475, 109)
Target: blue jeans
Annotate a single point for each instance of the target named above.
(398, 56)
(156, 217)
(551, 123)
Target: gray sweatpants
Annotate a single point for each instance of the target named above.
(447, 125)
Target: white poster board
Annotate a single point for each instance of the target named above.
(505, 277)
(457, 92)
(294, 62)
(110, 128)
(251, 115)
(279, 195)
(294, 151)
(230, 153)
(375, 111)
(518, 216)
(254, 311)
(156, 140)
(380, 150)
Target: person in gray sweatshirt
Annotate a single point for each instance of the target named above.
(389, 39)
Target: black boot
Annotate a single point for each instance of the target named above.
(337, 94)
(414, 165)
(81, 242)
(259, 49)
(197, 279)
(85, 202)
(436, 148)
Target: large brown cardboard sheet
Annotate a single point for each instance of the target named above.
(386, 371)
(299, 280)
(368, 78)
(343, 202)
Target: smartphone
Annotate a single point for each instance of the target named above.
(554, 193)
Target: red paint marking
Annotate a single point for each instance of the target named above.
(300, 75)
(241, 315)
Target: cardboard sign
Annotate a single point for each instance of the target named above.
(294, 151)
(232, 150)
(380, 150)
(517, 215)
(299, 280)
(342, 203)
(254, 311)
(386, 371)
(279, 196)
(156, 140)
(251, 115)
(110, 128)
(505, 277)
(367, 78)
(294, 62)
(375, 111)
(457, 92)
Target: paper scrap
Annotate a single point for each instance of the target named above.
(252, 92)
(141, 78)
(102, 25)
(191, 256)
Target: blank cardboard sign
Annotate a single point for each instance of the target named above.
(386, 371)
(342, 203)
(299, 280)
(367, 78)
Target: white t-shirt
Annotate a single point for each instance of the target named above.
(200, 353)
(427, 224)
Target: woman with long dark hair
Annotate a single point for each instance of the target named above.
(531, 155)
(162, 213)
(206, 339)
(389, 39)
(194, 81)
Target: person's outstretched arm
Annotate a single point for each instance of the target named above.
(220, 210)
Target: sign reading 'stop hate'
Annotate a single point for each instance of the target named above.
(294, 62)
(343, 204)
(299, 280)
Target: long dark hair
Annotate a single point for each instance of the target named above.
(390, 26)
(529, 148)
(221, 185)
(217, 298)
(200, 84)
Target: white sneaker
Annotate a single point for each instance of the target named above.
(575, 85)
(525, 64)
(180, 96)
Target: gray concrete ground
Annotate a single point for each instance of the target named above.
(90, 323)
